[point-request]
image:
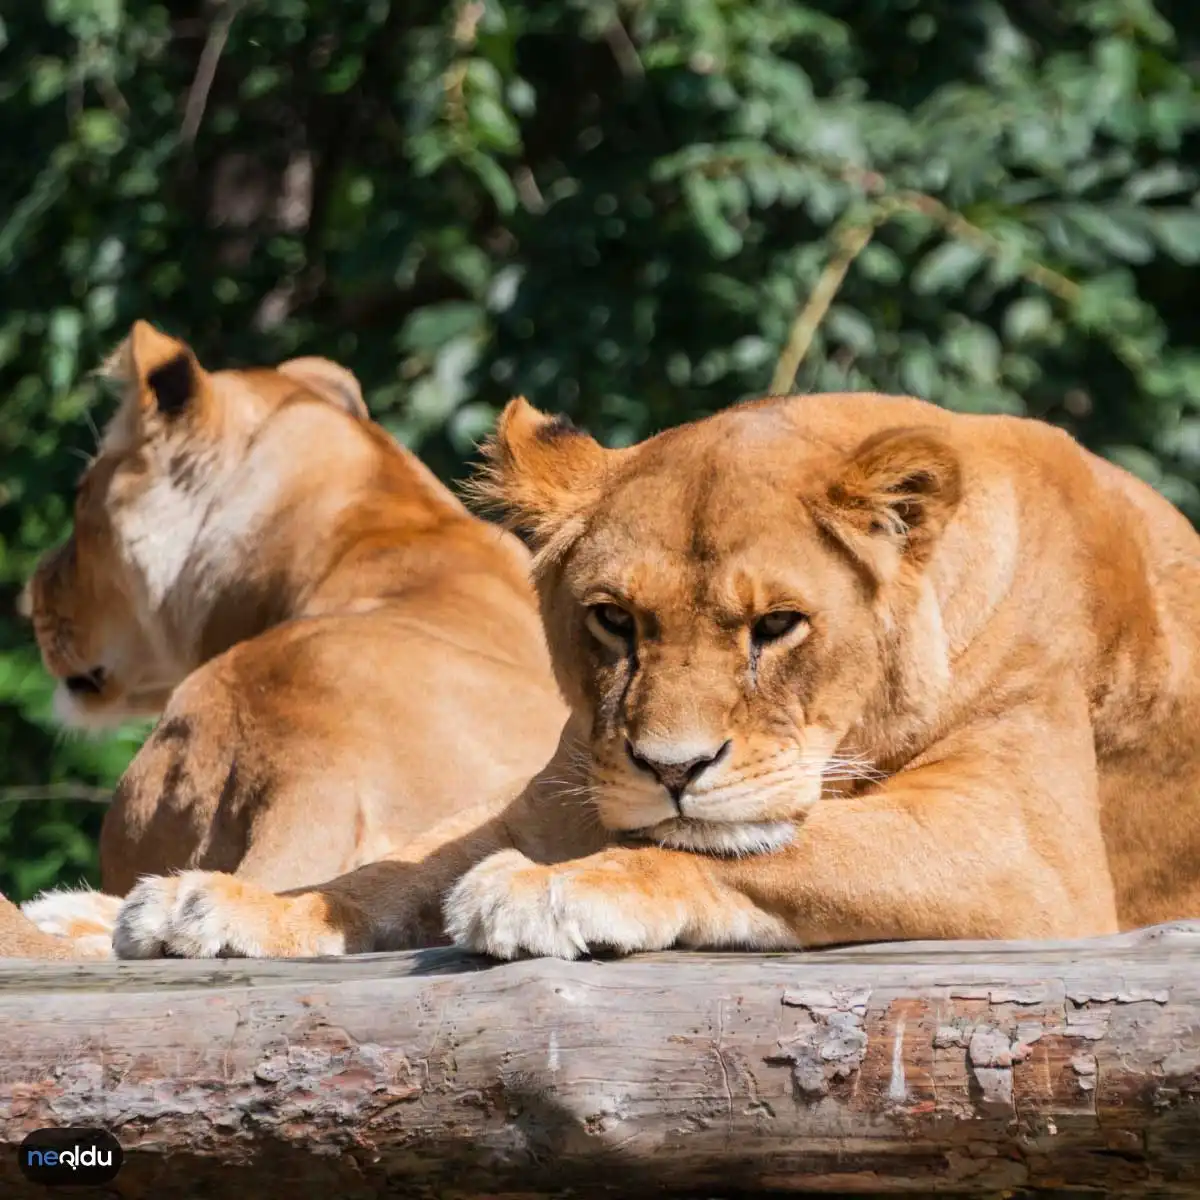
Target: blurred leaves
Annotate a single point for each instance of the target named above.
(617, 209)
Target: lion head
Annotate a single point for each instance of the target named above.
(737, 608)
(170, 548)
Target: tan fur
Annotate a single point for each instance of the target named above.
(21, 938)
(985, 723)
(345, 655)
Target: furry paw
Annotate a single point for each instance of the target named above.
(509, 906)
(84, 917)
(203, 914)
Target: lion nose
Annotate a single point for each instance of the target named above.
(674, 775)
(87, 683)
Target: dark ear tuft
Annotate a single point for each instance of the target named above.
(912, 494)
(559, 426)
(540, 472)
(173, 384)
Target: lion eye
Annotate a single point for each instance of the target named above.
(611, 619)
(775, 625)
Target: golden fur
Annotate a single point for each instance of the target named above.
(21, 938)
(344, 653)
(840, 668)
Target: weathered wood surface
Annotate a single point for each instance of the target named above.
(952, 1068)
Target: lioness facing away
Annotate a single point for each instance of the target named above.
(840, 668)
(345, 654)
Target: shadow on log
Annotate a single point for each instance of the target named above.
(964, 1068)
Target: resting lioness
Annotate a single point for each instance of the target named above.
(349, 655)
(840, 668)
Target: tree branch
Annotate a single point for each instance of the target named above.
(849, 242)
(206, 70)
(55, 791)
(978, 1069)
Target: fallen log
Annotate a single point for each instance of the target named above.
(966, 1068)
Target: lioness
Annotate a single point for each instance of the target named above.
(345, 654)
(840, 668)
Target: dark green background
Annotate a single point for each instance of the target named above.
(617, 209)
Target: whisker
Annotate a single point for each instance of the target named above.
(91, 424)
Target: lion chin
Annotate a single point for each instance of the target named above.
(714, 837)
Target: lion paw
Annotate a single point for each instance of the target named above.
(509, 906)
(84, 917)
(175, 916)
(203, 914)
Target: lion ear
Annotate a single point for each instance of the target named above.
(161, 369)
(539, 472)
(892, 498)
(329, 380)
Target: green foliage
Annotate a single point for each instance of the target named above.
(619, 209)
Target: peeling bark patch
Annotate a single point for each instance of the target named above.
(825, 1000)
(1091, 1023)
(327, 1078)
(990, 1058)
(1035, 994)
(989, 1047)
(948, 1035)
(829, 1042)
(1136, 995)
(1029, 1032)
(1084, 1066)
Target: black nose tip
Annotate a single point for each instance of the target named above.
(675, 777)
(89, 683)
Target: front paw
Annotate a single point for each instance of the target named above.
(85, 917)
(509, 906)
(203, 914)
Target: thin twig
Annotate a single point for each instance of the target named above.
(1049, 280)
(624, 51)
(112, 96)
(953, 223)
(55, 791)
(872, 183)
(206, 70)
(851, 240)
(958, 226)
(849, 243)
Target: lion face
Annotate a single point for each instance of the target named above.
(163, 519)
(731, 607)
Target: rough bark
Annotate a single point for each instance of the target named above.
(960, 1068)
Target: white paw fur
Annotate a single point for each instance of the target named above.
(509, 906)
(61, 913)
(96, 945)
(175, 915)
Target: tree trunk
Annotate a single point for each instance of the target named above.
(966, 1068)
